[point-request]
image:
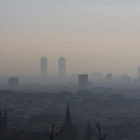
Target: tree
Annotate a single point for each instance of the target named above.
(52, 136)
(99, 135)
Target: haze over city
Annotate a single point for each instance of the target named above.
(92, 36)
(70, 69)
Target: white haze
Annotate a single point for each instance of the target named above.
(93, 36)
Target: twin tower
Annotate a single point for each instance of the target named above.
(61, 67)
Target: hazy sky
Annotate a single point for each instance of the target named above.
(93, 35)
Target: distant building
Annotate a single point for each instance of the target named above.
(137, 81)
(96, 76)
(69, 130)
(13, 82)
(102, 90)
(3, 123)
(84, 93)
(125, 79)
(83, 81)
(109, 77)
(89, 133)
(62, 67)
(44, 68)
(138, 71)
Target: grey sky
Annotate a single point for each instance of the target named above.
(92, 35)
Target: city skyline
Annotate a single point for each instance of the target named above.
(92, 36)
(70, 68)
(57, 73)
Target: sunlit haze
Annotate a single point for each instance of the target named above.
(91, 35)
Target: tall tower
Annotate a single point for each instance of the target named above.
(83, 81)
(88, 134)
(44, 69)
(62, 67)
(138, 71)
(68, 121)
(69, 130)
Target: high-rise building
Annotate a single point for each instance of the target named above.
(138, 71)
(109, 77)
(13, 82)
(44, 69)
(83, 81)
(62, 67)
(69, 130)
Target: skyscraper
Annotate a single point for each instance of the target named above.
(62, 67)
(83, 81)
(138, 71)
(44, 69)
(109, 77)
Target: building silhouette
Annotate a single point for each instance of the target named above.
(69, 130)
(83, 81)
(89, 133)
(13, 83)
(109, 77)
(138, 71)
(44, 67)
(61, 67)
(3, 123)
(97, 76)
(125, 79)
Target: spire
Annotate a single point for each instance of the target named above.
(88, 131)
(68, 121)
(88, 134)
